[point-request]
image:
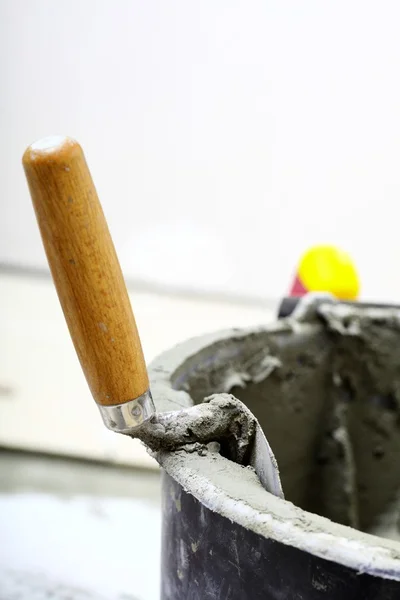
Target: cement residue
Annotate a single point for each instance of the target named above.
(325, 387)
(220, 418)
(366, 369)
(333, 493)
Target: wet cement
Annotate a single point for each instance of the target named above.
(325, 388)
(220, 418)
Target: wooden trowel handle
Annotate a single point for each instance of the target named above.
(86, 271)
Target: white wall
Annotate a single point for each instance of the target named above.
(224, 137)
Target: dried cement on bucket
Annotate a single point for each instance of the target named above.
(325, 387)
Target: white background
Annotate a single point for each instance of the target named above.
(224, 137)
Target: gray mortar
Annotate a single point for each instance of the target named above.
(325, 387)
(220, 418)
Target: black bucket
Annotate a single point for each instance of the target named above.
(325, 387)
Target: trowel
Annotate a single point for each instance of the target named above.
(96, 306)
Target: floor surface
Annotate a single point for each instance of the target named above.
(77, 531)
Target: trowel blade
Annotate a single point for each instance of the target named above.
(264, 463)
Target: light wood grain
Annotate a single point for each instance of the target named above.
(86, 270)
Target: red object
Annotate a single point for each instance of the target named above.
(298, 288)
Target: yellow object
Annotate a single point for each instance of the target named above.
(329, 269)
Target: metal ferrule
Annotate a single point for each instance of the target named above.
(125, 418)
